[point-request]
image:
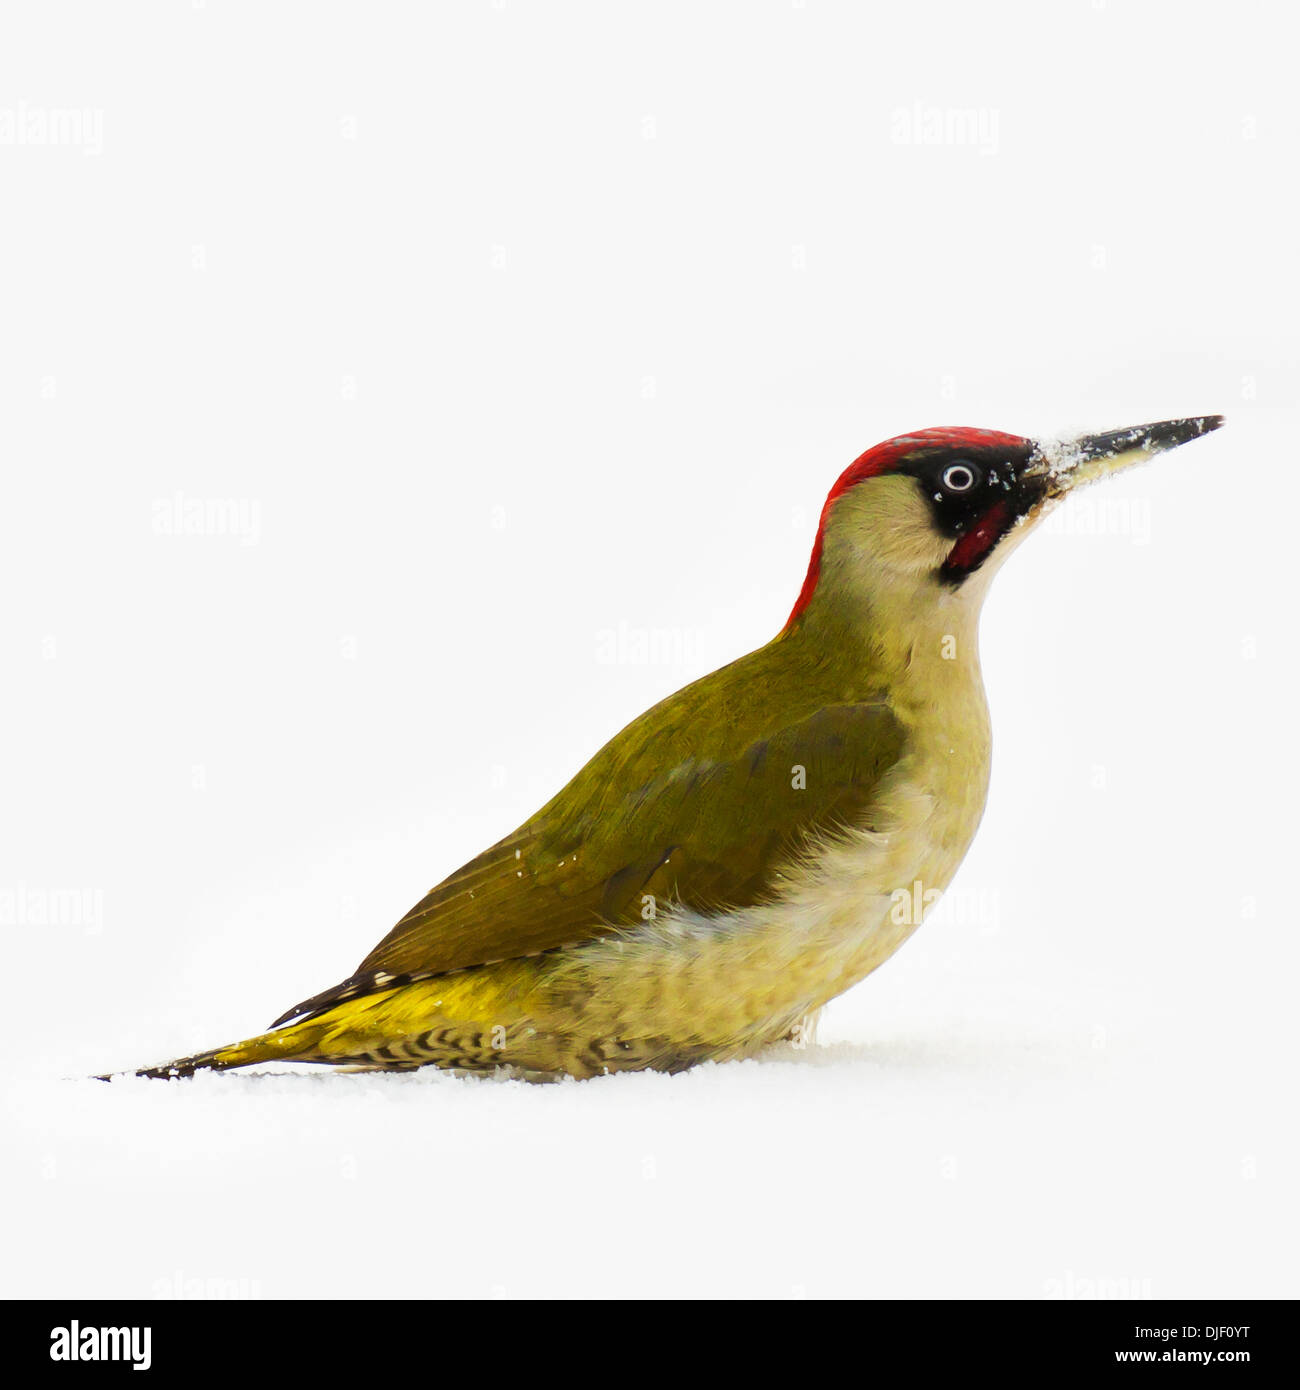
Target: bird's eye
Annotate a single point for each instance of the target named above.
(959, 477)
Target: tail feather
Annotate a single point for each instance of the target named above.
(379, 1021)
(296, 1044)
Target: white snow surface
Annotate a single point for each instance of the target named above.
(982, 1118)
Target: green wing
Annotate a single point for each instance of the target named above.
(701, 801)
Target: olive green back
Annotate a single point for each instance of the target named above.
(701, 801)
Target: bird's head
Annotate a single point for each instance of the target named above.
(938, 510)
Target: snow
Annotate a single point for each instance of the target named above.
(977, 1121)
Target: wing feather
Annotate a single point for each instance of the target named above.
(699, 802)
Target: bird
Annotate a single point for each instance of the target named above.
(754, 844)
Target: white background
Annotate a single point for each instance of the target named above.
(518, 334)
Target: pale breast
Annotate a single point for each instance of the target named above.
(732, 980)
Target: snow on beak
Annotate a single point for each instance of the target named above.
(1064, 466)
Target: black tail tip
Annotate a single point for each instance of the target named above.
(169, 1072)
(180, 1070)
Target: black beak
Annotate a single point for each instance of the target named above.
(1064, 467)
(1148, 439)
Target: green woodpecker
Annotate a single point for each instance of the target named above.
(734, 858)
